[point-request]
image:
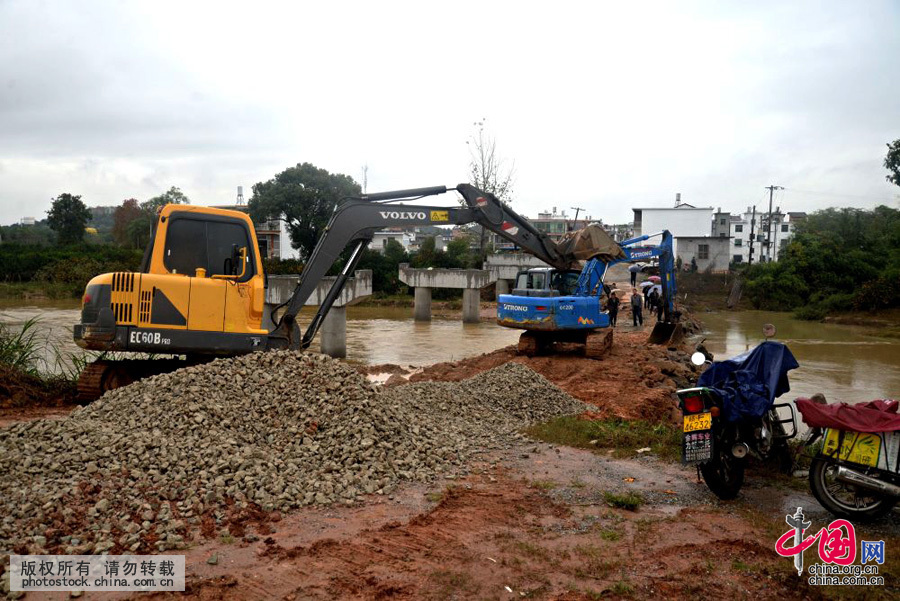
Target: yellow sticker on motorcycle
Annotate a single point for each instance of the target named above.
(858, 447)
(701, 421)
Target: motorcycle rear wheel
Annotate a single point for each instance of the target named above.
(845, 500)
(724, 474)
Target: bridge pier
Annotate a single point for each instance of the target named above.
(422, 307)
(333, 333)
(502, 287)
(471, 305)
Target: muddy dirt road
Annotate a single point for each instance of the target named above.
(535, 523)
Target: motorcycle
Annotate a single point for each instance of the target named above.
(856, 473)
(731, 415)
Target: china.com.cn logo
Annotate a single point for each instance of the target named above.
(836, 544)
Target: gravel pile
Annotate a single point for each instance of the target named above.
(136, 469)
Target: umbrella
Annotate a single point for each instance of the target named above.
(654, 278)
(645, 284)
(635, 269)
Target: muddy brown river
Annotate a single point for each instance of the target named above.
(846, 363)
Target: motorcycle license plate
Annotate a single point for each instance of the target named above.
(700, 421)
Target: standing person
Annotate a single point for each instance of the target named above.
(654, 299)
(647, 290)
(636, 306)
(660, 303)
(633, 278)
(613, 307)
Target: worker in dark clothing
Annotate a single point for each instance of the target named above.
(636, 306)
(654, 299)
(633, 278)
(660, 303)
(612, 306)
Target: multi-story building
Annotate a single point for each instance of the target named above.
(767, 237)
(380, 239)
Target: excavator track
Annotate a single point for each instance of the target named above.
(104, 375)
(597, 344)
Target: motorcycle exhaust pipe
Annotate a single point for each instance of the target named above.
(740, 450)
(849, 476)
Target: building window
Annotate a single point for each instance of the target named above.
(722, 221)
(738, 242)
(703, 251)
(739, 228)
(737, 259)
(785, 227)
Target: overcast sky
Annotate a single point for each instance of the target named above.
(598, 105)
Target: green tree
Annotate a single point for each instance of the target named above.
(173, 195)
(460, 253)
(892, 162)
(123, 232)
(68, 217)
(304, 197)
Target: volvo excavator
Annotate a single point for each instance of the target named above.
(201, 288)
(200, 291)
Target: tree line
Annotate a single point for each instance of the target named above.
(838, 260)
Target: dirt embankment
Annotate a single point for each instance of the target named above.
(25, 397)
(634, 381)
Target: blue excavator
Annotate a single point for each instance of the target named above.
(567, 305)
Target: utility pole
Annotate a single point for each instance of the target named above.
(771, 190)
(576, 209)
(752, 235)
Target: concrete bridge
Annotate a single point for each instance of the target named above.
(501, 269)
(333, 333)
(423, 280)
(504, 268)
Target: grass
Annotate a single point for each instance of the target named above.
(629, 500)
(453, 585)
(622, 588)
(40, 290)
(544, 484)
(623, 436)
(610, 534)
(20, 350)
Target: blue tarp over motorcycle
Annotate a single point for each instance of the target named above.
(749, 383)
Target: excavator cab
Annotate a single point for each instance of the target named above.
(199, 293)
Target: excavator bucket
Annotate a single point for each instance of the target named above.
(666, 333)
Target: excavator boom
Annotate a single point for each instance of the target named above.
(355, 221)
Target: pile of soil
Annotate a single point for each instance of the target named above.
(635, 380)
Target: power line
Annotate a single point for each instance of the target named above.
(837, 194)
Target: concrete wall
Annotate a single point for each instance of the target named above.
(718, 257)
(681, 222)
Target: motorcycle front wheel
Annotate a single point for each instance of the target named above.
(842, 499)
(723, 474)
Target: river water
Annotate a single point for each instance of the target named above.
(846, 363)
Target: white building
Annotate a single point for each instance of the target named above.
(682, 220)
(380, 240)
(750, 230)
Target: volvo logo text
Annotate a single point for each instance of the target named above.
(402, 214)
